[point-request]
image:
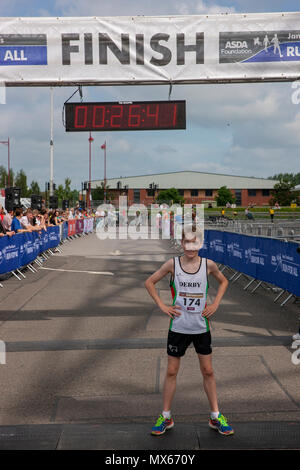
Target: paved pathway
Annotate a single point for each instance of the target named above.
(86, 358)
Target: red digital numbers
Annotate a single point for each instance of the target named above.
(116, 116)
(80, 117)
(98, 117)
(153, 113)
(134, 115)
(125, 116)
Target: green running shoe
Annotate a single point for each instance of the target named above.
(220, 424)
(162, 425)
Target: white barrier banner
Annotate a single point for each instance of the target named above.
(148, 50)
(88, 225)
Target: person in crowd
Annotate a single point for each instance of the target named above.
(3, 230)
(27, 221)
(7, 220)
(45, 215)
(2, 213)
(53, 217)
(272, 212)
(16, 225)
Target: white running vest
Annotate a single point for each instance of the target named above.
(189, 291)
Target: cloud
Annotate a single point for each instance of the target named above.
(165, 149)
(134, 7)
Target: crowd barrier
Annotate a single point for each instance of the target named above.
(268, 260)
(24, 248)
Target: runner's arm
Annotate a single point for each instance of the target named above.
(166, 268)
(212, 268)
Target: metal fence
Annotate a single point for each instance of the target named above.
(281, 229)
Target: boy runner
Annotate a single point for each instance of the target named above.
(189, 323)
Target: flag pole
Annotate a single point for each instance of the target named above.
(104, 148)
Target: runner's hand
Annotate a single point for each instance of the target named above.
(171, 310)
(209, 310)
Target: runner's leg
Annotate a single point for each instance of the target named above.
(170, 382)
(209, 382)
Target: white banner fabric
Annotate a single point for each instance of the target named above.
(150, 50)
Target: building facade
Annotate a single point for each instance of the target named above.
(195, 187)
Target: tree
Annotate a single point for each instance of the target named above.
(170, 195)
(292, 178)
(98, 193)
(282, 193)
(21, 182)
(65, 192)
(224, 195)
(34, 188)
(4, 177)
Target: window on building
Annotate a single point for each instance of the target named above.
(238, 197)
(208, 192)
(136, 196)
(266, 192)
(194, 192)
(181, 192)
(150, 192)
(251, 192)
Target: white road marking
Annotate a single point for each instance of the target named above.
(104, 273)
(115, 253)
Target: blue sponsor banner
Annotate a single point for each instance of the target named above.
(270, 260)
(65, 230)
(23, 49)
(23, 248)
(9, 254)
(23, 55)
(53, 236)
(286, 52)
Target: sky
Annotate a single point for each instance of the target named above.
(235, 129)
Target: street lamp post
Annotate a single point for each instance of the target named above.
(104, 148)
(90, 169)
(6, 142)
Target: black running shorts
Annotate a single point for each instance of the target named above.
(179, 342)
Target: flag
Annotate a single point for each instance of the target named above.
(103, 146)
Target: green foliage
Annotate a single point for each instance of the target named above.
(34, 188)
(224, 195)
(168, 195)
(65, 192)
(282, 193)
(98, 193)
(21, 182)
(293, 178)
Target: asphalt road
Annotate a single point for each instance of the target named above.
(85, 358)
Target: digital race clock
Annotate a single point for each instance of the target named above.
(125, 116)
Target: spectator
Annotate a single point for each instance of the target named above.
(53, 217)
(2, 213)
(7, 220)
(4, 232)
(16, 225)
(271, 212)
(45, 215)
(27, 221)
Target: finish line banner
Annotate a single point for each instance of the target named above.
(269, 260)
(150, 50)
